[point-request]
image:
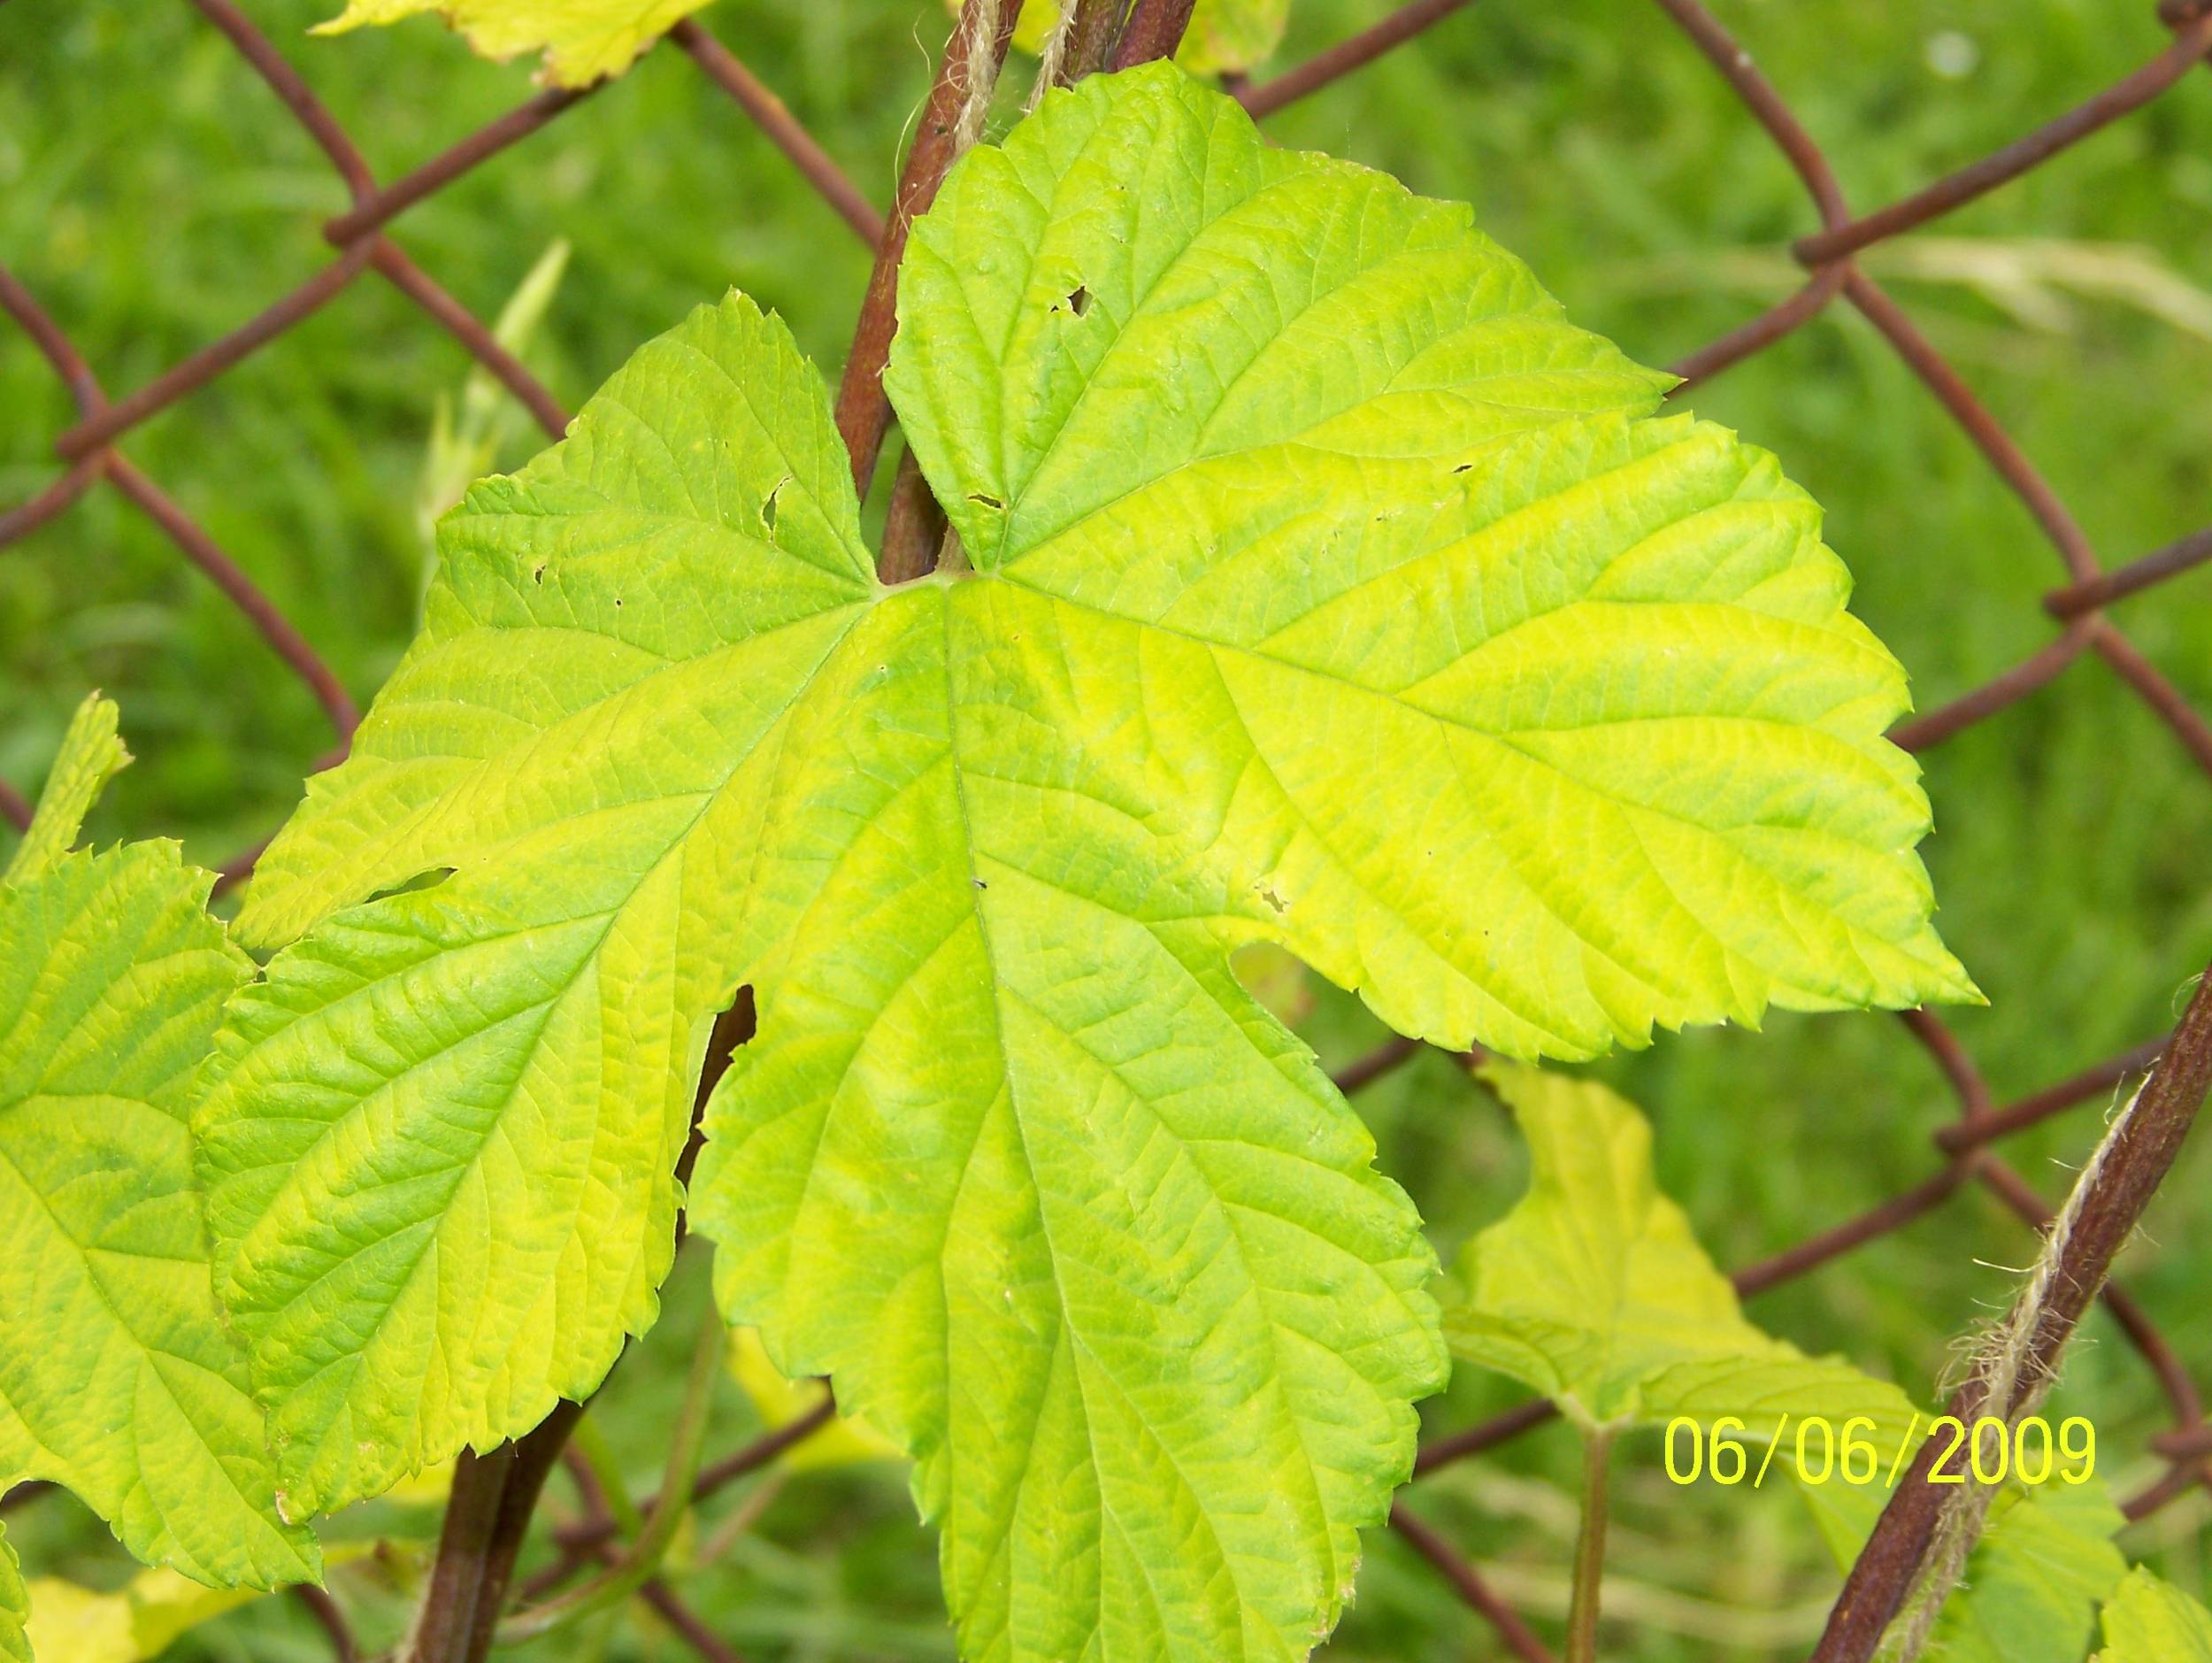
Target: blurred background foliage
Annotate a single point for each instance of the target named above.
(154, 196)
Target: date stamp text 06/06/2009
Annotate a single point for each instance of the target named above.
(2032, 1451)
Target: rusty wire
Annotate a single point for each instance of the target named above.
(90, 449)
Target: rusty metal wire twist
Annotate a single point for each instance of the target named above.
(90, 452)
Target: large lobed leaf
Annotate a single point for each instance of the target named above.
(1270, 474)
(1594, 1289)
(118, 1376)
(583, 41)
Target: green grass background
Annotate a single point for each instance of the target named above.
(154, 196)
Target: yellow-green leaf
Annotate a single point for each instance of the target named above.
(1594, 1289)
(91, 754)
(2032, 1582)
(583, 41)
(136, 1623)
(15, 1607)
(118, 1375)
(2150, 1621)
(1324, 587)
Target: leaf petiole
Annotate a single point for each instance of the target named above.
(1582, 1611)
(644, 1559)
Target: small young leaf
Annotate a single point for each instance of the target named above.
(583, 40)
(1594, 1291)
(118, 1376)
(1270, 473)
(91, 754)
(15, 1607)
(2033, 1583)
(2150, 1621)
(2032, 1588)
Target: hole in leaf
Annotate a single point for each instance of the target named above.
(768, 507)
(1277, 978)
(1463, 467)
(537, 573)
(416, 884)
(734, 1026)
(1079, 300)
(987, 500)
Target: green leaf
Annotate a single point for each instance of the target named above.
(1327, 468)
(2150, 1621)
(440, 1137)
(1267, 470)
(1594, 1289)
(2032, 1582)
(15, 1607)
(583, 41)
(2032, 1585)
(91, 754)
(1225, 35)
(117, 1375)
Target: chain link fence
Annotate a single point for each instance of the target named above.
(91, 454)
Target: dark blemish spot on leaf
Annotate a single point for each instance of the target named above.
(978, 883)
(618, 600)
(1463, 467)
(988, 501)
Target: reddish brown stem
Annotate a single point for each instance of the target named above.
(1090, 38)
(319, 1605)
(913, 525)
(863, 414)
(1154, 30)
(2120, 1187)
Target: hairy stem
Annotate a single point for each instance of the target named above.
(863, 414)
(2120, 1186)
(1090, 39)
(1582, 1611)
(1154, 30)
(645, 1555)
(913, 528)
